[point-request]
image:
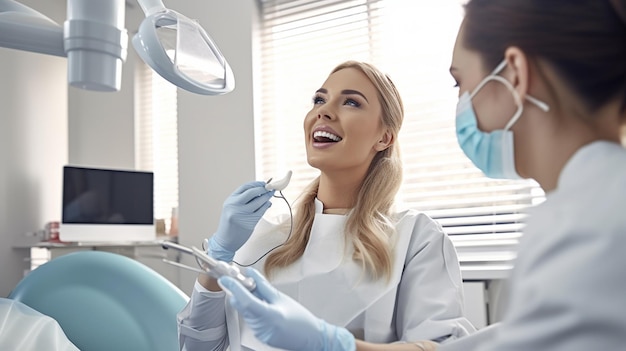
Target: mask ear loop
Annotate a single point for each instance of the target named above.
(516, 97)
(488, 78)
(520, 106)
(518, 101)
(542, 105)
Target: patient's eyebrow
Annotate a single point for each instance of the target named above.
(344, 92)
(353, 92)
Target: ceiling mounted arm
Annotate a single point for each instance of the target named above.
(23, 28)
(94, 40)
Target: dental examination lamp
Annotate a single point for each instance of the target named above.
(94, 40)
(181, 51)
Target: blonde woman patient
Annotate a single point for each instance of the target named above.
(354, 273)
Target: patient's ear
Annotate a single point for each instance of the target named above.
(385, 141)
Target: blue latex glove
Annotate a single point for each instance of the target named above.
(241, 212)
(280, 321)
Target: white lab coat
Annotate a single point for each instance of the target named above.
(424, 299)
(568, 289)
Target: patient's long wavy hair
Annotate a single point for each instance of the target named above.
(369, 227)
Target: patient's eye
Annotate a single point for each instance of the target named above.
(352, 102)
(317, 99)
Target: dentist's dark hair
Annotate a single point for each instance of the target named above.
(585, 40)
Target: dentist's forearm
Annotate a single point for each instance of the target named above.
(412, 346)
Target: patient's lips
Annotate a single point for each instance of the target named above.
(324, 137)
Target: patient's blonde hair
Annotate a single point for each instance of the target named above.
(369, 226)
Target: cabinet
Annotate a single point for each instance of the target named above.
(485, 299)
(476, 308)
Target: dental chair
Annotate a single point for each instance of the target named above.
(105, 301)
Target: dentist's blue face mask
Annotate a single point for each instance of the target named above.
(491, 152)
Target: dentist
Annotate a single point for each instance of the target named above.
(552, 110)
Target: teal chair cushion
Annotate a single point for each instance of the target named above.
(105, 301)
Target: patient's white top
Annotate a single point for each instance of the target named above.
(423, 300)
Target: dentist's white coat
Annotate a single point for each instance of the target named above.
(568, 288)
(424, 299)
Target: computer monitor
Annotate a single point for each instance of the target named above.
(107, 205)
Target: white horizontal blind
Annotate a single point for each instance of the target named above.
(157, 137)
(412, 42)
(301, 41)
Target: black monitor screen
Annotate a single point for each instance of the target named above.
(105, 196)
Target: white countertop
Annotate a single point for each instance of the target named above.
(27, 243)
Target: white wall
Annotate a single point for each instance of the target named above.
(216, 134)
(101, 124)
(33, 146)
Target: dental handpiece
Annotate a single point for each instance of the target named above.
(279, 184)
(217, 269)
(214, 268)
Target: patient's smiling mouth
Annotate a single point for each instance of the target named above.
(321, 136)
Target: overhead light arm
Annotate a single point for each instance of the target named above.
(96, 43)
(23, 28)
(150, 7)
(94, 40)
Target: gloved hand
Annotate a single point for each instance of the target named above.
(241, 211)
(279, 321)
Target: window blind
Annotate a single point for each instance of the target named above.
(412, 41)
(156, 136)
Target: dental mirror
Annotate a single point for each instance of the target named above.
(181, 51)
